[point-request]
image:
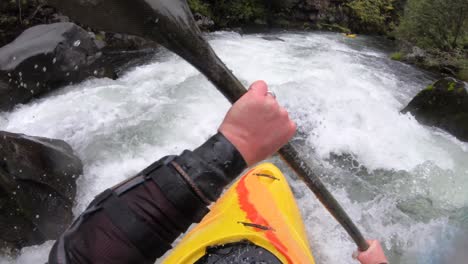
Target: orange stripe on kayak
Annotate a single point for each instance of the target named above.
(256, 218)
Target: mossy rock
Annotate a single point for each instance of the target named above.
(443, 104)
(398, 56)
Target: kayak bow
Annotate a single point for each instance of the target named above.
(258, 208)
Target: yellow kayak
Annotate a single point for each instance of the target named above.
(258, 212)
(349, 35)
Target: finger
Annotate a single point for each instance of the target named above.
(293, 128)
(271, 105)
(284, 113)
(271, 94)
(259, 88)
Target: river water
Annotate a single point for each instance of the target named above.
(403, 183)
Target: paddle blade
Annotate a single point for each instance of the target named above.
(168, 22)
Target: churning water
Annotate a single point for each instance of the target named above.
(403, 183)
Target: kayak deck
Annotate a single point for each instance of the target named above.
(258, 208)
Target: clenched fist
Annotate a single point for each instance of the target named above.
(257, 125)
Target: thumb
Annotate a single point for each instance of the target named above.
(259, 88)
(373, 255)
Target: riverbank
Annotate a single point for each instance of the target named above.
(348, 16)
(445, 63)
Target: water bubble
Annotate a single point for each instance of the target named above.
(77, 43)
(15, 227)
(9, 74)
(32, 91)
(37, 84)
(156, 20)
(36, 66)
(14, 193)
(44, 69)
(25, 85)
(67, 74)
(76, 67)
(9, 80)
(95, 72)
(37, 216)
(54, 60)
(20, 74)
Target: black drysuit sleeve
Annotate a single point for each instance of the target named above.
(138, 220)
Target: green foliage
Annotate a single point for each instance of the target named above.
(440, 24)
(430, 87)
(198, 6)
(229, 12)
(373, 15)
(334, 27)
(398, 56)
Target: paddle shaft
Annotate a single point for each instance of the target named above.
(232, 89)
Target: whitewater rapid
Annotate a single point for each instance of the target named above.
(345, 94)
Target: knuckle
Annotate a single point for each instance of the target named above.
(270, 104)
(284, 113)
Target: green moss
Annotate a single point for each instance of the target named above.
(398, 56)
(463, 74)
(430, 87)
(451, 87)
(460, 90)
(100, 36)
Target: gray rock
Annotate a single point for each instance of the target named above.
(416, 55)
(443, 104)
(203, 22)
(44, 58)
(37, 189)
(47, 57)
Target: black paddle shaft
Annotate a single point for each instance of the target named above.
(170, 23)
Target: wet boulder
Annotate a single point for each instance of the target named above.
(443, 104)
(44, 58)
(37, 189)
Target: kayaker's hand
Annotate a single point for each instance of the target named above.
(373, 255)
(257, 125)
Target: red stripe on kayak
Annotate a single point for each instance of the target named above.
(254, 216)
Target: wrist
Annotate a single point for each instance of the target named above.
(213, 165)
(239, 142)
